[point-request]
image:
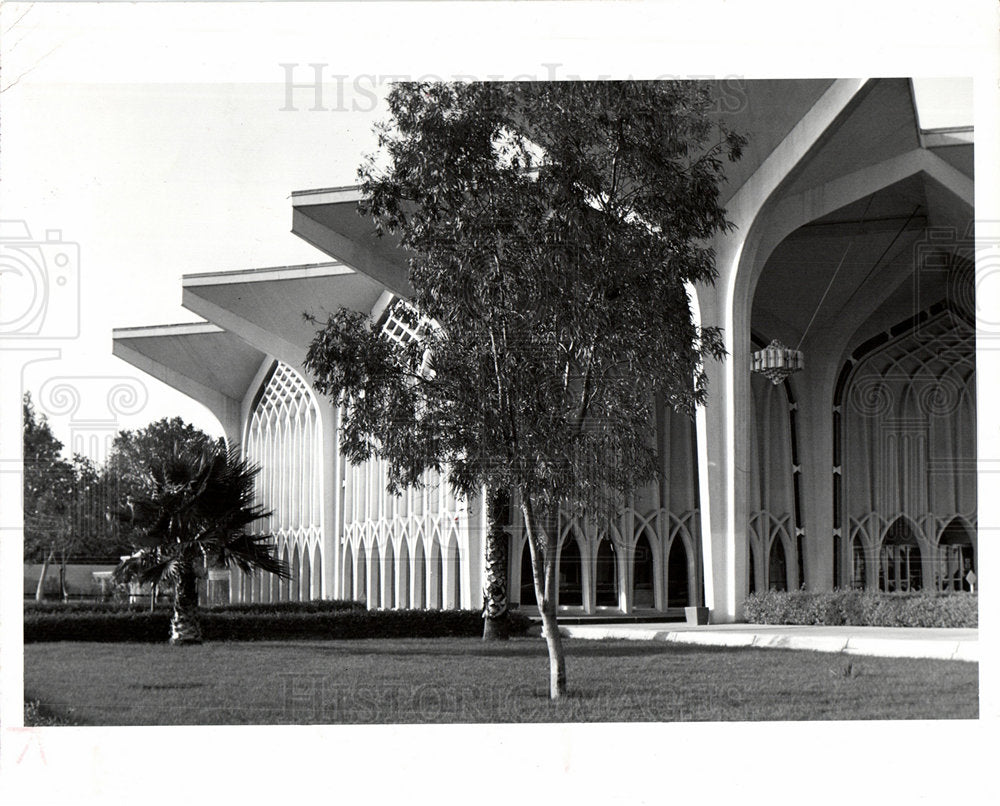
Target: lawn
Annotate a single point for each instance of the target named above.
(464, 680)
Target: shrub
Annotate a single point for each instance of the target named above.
(231, 624)
(863, 609)
(142, 606)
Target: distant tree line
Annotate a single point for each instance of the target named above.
(66, 500)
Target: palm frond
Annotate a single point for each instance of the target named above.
(196, 504)
(251, 553)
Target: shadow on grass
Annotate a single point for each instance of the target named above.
(472, 647)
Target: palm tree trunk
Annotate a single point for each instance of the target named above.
(546, 589)
(496, 617)
(184, 627)
(40, 589)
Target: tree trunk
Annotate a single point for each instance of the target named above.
(63, 593)
(496, 617)
(543, 567)
(40, 588)
(184, 627)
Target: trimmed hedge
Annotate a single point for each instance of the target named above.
(863, 609)
(313, 606)
(220, 624)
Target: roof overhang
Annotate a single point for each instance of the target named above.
(201, 360)
(329, 220)
(266, 307)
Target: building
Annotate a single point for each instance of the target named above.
(853, 242)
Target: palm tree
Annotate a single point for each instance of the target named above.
(190, 510)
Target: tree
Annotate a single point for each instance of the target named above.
(133, 451)
(64, 501)
(551, 230)
(496, 616)
(189, 509)
(48, 490)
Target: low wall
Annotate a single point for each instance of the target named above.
(79, 579)
(80, 582)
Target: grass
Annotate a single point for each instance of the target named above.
(465, 680)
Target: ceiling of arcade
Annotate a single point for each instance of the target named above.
(877, 241)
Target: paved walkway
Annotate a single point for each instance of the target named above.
(889, 642)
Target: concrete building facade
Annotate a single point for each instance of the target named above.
(854, 242)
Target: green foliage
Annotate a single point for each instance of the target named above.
(267, 623)
(64, 500)
(863, 609)
(134, 451)
(551, 229)
(190, 507)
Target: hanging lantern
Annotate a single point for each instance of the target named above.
(777, 362)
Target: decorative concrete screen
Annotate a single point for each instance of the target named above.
(909, 432)
(284, 438)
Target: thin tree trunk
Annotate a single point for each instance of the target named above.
(40, 588)
(184, 627)
(64, 594)
(546, 589)
(496, 617)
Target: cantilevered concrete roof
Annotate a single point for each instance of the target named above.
(266, 307)
(328, 219)
(201, 360)
(204, 353)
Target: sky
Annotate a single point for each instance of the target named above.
(158, 140)
(151, 137)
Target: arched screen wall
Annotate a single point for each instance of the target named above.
(647, 556)
(284, 438)
(908, 436)
(426, 520)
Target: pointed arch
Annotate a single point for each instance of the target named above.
(283, 436)
(283, 583)
(607, 591)
(859, 565)
(900, 560)
(570, 571)
(305, 582)
(295, 581)
(435, 591)
(643, 572)
(956, 555)
(316, 592)
(777, 566)
(528, 597)
(452, 575)
(387, 592)
(374, 584)
(347, 583)
(678, 587)
(360, 585)
(401, 592)
(418, 593)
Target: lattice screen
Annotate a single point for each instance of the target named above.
(285, 440)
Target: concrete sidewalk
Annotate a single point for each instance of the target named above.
(888, 642)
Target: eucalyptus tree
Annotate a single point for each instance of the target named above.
(551, 229)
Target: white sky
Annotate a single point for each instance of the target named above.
(150, 135)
